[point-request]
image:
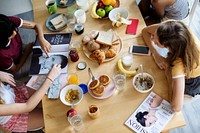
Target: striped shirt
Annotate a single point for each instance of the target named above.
(178, 11)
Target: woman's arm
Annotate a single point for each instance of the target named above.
(176, 90)
(46, 46)
(17, 108)
(148, 36)
(15, 67)
(160, 5)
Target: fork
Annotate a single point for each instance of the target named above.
(90, 72)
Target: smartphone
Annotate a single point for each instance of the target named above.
(139, 50)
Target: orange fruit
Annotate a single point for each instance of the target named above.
(113, 3)
(107, 2)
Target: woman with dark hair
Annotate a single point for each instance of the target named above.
(181, 65)
(12, 57)
(146, 118)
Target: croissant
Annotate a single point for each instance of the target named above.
(110, 52)
(100, 55)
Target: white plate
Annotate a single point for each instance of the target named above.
(109, 89)
(65, 90)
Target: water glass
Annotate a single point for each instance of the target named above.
(80, 16)
(71, 24)
(83, 4)
(76, 45)
(120, 81)
(127, 59)
(76, 121)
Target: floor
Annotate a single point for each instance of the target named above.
(191, 109)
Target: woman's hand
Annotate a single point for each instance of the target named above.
(45, 45)
(7, 78)
(54, 72)
(160, 61)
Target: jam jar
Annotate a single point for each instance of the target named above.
(73, 54)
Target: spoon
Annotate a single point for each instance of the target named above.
(89, 70)
(141, 67)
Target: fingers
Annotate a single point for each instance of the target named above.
(11, 80)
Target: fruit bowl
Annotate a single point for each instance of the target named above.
(100, 10)
(123, 13)
(143, 86)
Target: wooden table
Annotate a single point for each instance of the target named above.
(116, 109)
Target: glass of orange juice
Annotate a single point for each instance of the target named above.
(73, 78)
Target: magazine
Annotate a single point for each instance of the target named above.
(54, 90)
(151, 116)
(56, 39)
(41, 63)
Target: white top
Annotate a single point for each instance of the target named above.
(7, 94)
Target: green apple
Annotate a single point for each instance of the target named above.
(108, 8)
(101, 12)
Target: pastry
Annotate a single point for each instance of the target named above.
(110, 53)
(92, 45)
(104, 79)
(85, 39)
(93, 34)
(100, 56)
(99, 91)
(93, 84)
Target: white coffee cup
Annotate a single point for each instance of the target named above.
(80, 16)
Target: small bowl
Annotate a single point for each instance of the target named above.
(148, 82)
(66, 89)
(113, 13)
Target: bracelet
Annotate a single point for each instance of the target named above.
(50, 79)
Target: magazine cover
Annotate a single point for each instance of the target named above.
(151, 116)
(55, 39)
(54, 90)
(41, 63)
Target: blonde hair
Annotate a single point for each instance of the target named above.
(176, 36)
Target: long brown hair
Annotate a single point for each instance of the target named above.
(176, 36)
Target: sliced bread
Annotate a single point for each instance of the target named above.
(105, 38)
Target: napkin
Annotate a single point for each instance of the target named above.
(58, 22)
(132, 28)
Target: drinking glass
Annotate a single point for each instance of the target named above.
(73, 78)
(120, 81)
(76, 121)
(71, 24)
(80, 16)
(127, 59)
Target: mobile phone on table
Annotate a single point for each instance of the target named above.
(139, 50)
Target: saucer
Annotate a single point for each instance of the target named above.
(49, 25)
(69, 2)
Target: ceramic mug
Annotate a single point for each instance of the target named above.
(80, 16)
(51, 6)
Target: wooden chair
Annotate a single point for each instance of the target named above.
(3, 130)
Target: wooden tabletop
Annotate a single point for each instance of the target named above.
(116, 109)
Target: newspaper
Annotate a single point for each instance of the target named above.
(151, 116)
